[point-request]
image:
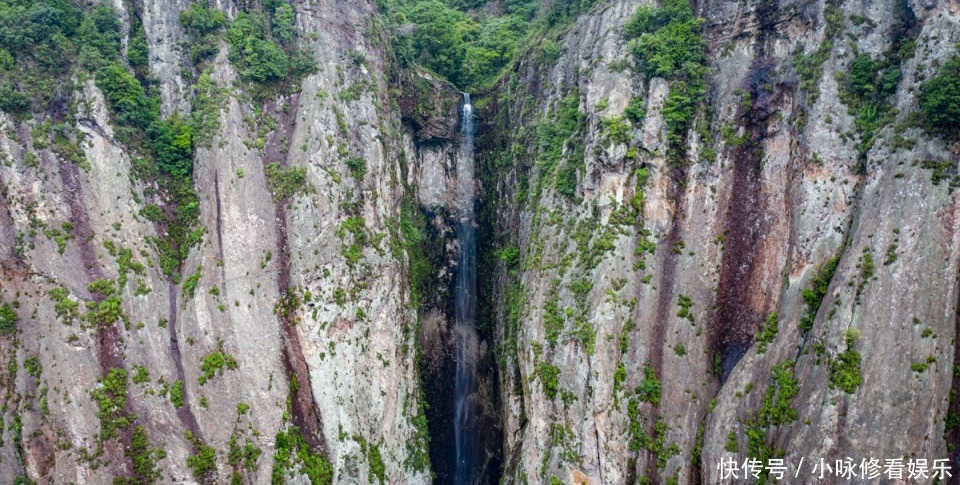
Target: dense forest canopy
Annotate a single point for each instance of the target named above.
(470, 42)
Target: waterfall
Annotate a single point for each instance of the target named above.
(466, 310)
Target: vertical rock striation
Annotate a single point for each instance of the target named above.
(656, 320)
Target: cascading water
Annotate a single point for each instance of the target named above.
(466, 311)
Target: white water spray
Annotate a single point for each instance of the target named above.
(465, 433)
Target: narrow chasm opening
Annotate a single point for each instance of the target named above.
(458, 371)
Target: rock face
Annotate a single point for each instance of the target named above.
(430, 105)
(627, 359)
(338, 363)
(785, 283)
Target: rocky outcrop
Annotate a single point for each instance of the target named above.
(430, 105)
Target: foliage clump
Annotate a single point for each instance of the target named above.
(291, 449)
(940, 100)
(409, 237)
(203, 463)
(548, 375)
(768, 332)
(865, 87)
(202, 23)
(144, 457)
(214, 363)
(67, 310)
(45, 44)
(845, 368)
(813, 296)
(260, 53)
(558, 142)
(809, 67)
(106, 308)
(649, 388)
(176, 394)
(286, 182)
(32, 366)
(357, 167)
(668, 42)
(8, 320)
(469, 50)
(684, 302)
(111, 398)
(359, 237)
(776, 408)
(41, 41)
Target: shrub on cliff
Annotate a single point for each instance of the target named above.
(8, 320)
(202, 23)
(667, 38)
(258, 55)
(940, 100)
(668, 42)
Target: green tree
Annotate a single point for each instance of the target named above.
(285, 24)
(438, 41)
(668, 42)
(173, 145)
(8, 319)
(940, 99)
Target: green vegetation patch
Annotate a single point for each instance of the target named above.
(263, 48)
(548, 375)
(202, 23)
(777, 402)
(845, 368)
(216, 363)
(293, 454)
(813, 296)
(410, 238)
(106, 307)
(143, 457)
(111, 398)
(357, 167)
(668, 42)
(649, 388)
(768, 332)
(558, 142)
(286, 182)
(866, 87)
(685, 303)
(466, 44)
(8, 319)
(776, 409)
(41, 42)
(176, 394)
(809, 67)
(355, 237)
(203, 462)
(940, 100)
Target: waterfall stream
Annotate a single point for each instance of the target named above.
(466, 310)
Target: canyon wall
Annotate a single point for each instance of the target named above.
(285, 345)
(771, 280)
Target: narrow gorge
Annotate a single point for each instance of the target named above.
(276, 241)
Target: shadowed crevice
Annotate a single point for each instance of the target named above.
(304, 412)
